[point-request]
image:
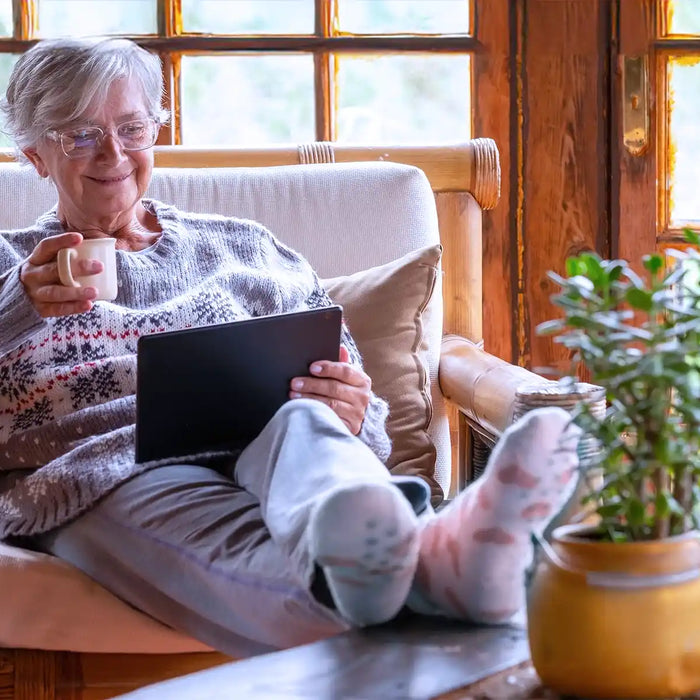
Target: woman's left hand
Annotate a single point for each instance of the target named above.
(340, 385)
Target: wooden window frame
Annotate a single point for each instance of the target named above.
(171, 42)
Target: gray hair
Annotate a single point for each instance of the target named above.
(57, 80)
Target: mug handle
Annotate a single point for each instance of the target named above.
(64, 272)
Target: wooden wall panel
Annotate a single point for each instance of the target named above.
(494, 119)
(565, 146)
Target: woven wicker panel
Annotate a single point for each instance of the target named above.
(531, 396)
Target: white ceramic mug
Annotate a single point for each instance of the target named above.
(102, 249)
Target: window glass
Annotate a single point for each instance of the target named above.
(683, 16)
(248, 16)
(684, 163)
(403, 99)
(7, 61)
(93, 17)
(5, 17)
(404, 16)
(243, 100)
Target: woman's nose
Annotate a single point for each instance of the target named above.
(110, 147)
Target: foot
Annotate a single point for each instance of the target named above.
(365, 538)
(473, 554)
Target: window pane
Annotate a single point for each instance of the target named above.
(244, 100)
(403, 99)
(91, 17)
(248, 16)
(404, 16)
(5, 17)
(683, 16)
(684, 163)
(7, 61)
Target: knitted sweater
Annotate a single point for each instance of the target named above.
(67, 384)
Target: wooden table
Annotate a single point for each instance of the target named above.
(417, 657)
(517, 683)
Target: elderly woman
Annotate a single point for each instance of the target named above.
(301, 535)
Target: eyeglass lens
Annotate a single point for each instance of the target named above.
(133, 136)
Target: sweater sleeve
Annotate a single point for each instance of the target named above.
(19, 320)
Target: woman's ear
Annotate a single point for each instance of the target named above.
(37, 161)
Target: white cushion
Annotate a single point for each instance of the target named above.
(320, 210)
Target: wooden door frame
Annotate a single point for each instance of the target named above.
(634, 215)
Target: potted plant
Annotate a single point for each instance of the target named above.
(614, 605)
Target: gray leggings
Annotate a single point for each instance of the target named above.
(225, 558)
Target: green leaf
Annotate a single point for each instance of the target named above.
(634, 278)
(549, 327)
(639, 299)
(575, 266)
(614, 269)
(662, 504)
(635, 512)
(594, 270)
(653, 263)
(618, 536)
(691, 236)
(611, 510)
(556, 278)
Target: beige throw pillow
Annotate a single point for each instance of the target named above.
(384, 308)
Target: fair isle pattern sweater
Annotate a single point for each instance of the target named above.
(67, 384)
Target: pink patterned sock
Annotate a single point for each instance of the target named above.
(474, 553)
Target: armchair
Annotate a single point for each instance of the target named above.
(373, 231)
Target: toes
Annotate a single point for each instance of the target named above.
(536, 511)
(493, 535)
(514, 474)
(565, 477)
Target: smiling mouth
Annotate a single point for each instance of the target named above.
(109, 180)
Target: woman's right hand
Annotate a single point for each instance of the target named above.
(39, 275)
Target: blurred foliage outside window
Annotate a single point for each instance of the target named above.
(247, 100)
(684, 17)
(265, 99)
(248, 17)
(684, 113)
(684, 167)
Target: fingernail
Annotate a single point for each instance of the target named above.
(89, 293)
(316, 369)
(295, 395)
(297, 384)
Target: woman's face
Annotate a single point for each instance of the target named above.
(108, 184)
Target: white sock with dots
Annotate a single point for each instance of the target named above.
(365, 538)
(474, 553)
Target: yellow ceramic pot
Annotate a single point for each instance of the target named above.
(616, 620)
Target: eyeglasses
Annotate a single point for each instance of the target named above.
(134, 135)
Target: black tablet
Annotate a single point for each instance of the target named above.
(214, 388)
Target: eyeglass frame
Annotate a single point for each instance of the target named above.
(58, 134)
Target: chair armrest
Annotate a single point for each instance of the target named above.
(481, 385)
